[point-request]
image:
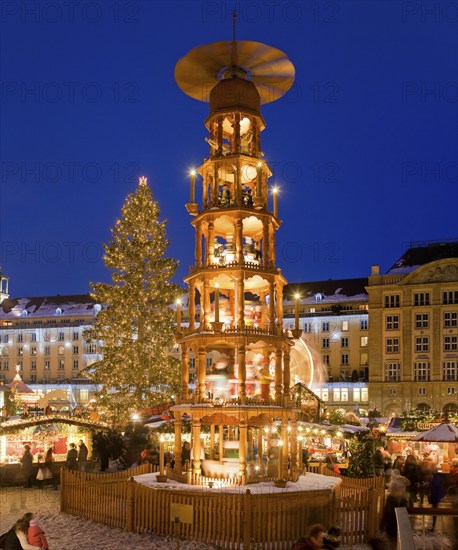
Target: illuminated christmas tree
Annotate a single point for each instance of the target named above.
(135, 325)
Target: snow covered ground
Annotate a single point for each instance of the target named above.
(65, 532)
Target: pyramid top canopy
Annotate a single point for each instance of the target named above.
(201, 69)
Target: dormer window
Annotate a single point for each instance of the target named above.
(58, 311)
(24, 313)
(319, 297)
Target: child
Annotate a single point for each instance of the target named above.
(36, 535)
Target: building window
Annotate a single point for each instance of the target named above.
(61, 364)
(421, 299)
(61, 350)
(209, 362)
(364, 359)
(33, 337)
(76, 335)
(325, 343)
(356, 395)
(421, 320)
(422, 343)
(61, 336)
(307, 327)
(325, 327)
(325, 394)
(392, 300)
(363, 324)
(6, 351)
(392, 372)
(47, 365)
(75, 364)
(33, 365)
(392, 345)
(20, 352)
(392, 322)
(47, 350)
(344, 342)
(421, 391)
(75, 350)
(422, 372)
(450, 391)
(192, 362)
(344, 359)
(450, 343)
(6, 365)
(450, 319)
(91, 348)
(344, 326)
(392, 391)
(33, 377)
(20, 338)
(364, 395)
(364, 341)
(326, 360)
(450, 297)
(336, 394)
(33, 351)
(344, 394)
(450, 371)
(19, 365)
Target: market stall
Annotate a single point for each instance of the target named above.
(441, 442)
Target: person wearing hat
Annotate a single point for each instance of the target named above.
(26, 466)
(332, 538)
(36, 535)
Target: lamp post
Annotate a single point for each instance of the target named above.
(178, 315)
(161, 455)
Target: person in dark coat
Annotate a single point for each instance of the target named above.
(185, 453)
(72, 457)
(27, 465)
(437, 493)
(396, 499)
(314, 541)
(82, 456)
(412, 473)
(103, 448)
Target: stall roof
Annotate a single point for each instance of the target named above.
(20, 424)
(443, 433)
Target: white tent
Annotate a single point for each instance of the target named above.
(443, 433)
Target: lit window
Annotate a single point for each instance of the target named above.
(344, 325)
(61, 350)
(344, 394)
(325, 394)
(356, 395)
(364, 395)
(336, 394)
(364, 359)
(364, 341)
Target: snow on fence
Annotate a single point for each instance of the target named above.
(227, 519)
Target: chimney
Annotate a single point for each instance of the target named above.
(375, 270)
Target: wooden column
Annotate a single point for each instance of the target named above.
(219, 150)
(202, 372)
(241, 356)
(212, 441)
(272, 253)
(286, 371)
(260, 448)
(284, 449)
(279, 300)
(237, 142)
(205, 305)
(278, 374)
(209, 243)
(293, 450)
(221, 442)
(196, 464)
(198, 245)
(241, 303)
(192, 305)
(184, 371)
(265, 244)
(271, 305)
(263, 310)
(177, 443)
(242, 451)
(238, 231)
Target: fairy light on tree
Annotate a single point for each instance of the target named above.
(136, 323)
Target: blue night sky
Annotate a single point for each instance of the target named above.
(363, 148)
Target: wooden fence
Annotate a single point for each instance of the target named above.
(227, 519)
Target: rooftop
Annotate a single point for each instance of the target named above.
(47, 306)
(422, 253)
(329, 291)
